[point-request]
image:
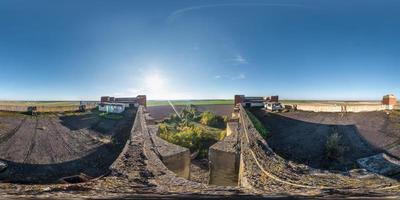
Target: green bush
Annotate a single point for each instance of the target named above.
(190, 113)
(210, 119)
(192, 137)
(334, 149)
(258, 125)
(222, 135)
(193, 130)
(112, 116)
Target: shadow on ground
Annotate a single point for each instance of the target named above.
(296, 139)
(93, 164)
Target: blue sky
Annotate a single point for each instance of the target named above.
(73, 50)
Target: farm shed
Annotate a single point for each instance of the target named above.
(112, 107)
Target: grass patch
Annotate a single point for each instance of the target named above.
(112, 116)
(190, 102)
(258, 125)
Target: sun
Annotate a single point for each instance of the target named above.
(155, 82)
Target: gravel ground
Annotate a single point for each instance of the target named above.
(47, 147)
(199, 171)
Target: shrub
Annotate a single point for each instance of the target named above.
(190, 113)
(187, 132)
(173, 118)
(112, 116)
(222, 135)
(258, 125)
(210, 119)
(194, 138)
(164, 132)
(334, 149)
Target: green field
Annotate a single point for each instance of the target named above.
(187, 102)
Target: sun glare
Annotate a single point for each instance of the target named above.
(154, 82)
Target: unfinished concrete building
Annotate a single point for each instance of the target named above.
(131, 101)
(254, 101)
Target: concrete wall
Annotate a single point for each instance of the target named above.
(174, 157)
(224, 158)
(179, 163)
(44, 109)
(262, 169)
(13, 108)
(341, 108)
(365, 108)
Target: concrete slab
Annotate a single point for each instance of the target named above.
(381, 164)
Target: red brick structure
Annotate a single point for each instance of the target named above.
(133, 101)
(272, 98)
(389, 99)
(105, 99)
(141, 100)
(239, 99)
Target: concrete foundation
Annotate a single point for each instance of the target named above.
(380, 164)
(224, 158)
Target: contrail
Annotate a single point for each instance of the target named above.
(180, 12)
(173, 107)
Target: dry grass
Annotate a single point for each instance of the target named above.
(40, 103)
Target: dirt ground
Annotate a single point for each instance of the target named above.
(302, 136)
(47, 147)
(199, 171)
(161, 112)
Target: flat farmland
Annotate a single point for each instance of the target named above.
(48, 147)
(162, 112)
(151, 103)
(42, 103)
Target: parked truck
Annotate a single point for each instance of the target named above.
(274, 106)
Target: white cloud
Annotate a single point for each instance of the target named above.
(241, 76)
(239, 60)
(178, 13)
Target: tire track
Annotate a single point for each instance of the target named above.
(62, 136)
(32, 142)
(49, 142)
(11, 133)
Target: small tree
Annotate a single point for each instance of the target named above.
(334, 150)
(210, 119)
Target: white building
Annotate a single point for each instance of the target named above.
(112, 107)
